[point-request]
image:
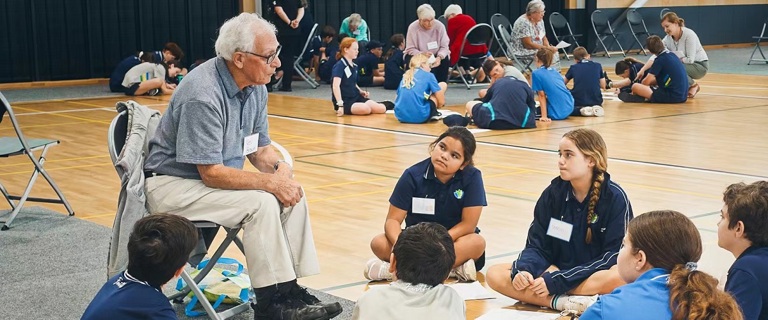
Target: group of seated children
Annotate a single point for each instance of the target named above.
(346, 95)
(150, 73)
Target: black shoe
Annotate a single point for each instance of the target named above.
(284, 89)
(301, 293)
(628, 97)
(287, 309)
(389, 104)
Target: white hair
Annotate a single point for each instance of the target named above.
(425, 11)
(238, 34)
(534, 6)
(452, 9)
(355, 19)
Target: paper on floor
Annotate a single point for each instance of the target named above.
(500, 314)
(471, 291)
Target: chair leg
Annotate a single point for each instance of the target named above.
(7, 196)
(757, 48)
(303, 74)
(616, 39)
(607, 54)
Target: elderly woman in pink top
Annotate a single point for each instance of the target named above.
(426, 35)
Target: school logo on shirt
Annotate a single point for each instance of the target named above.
(458, 194)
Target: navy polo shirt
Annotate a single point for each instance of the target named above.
(366, 63)
(748, 282)
(634, 69)
(348, 86)
(116, 79)
(670, 76)
(125, 297)
(394, 70)
(586, 83)
(326, 68)
(464, 190)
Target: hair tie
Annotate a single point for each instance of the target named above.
(691, 266)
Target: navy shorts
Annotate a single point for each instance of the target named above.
(348, 104)
(131, 91)
(482, 118)
(662, 95)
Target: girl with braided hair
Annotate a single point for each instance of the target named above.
(658, 260)
(574, 239)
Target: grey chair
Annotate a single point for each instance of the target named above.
(298, 63)
(19, 145)
(638, 29)
(502, 30)
(600, 21)
(558, 22)
(116, 139)
(663, 12)
(480, 34)
(759, 38)
(443, 20)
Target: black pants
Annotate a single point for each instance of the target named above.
(440, 72)
(291, 46)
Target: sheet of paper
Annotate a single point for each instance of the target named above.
(478, 130)
(562, 44)
(471, 291)
(390, 111)
(500, 314)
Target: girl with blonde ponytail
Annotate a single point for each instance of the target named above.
(658, 260)
(419, 94)
(574, 239)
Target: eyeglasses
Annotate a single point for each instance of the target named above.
(269, 58)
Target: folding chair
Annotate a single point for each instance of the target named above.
(19, 145)
(501, 31)
(480, 34)
(600, 20)
(759, 38)
(297, 64)
(636, 22)
(442, 20)
(663, 12)
(558, 21)
(116, 138)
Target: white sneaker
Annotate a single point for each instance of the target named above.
(598, 111)
(376, 270)
(465, 272)
(587, 111)
(578, 304)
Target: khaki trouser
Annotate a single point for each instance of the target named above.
(277, 241)
(696, 70)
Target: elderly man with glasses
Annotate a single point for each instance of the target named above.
(215, 120)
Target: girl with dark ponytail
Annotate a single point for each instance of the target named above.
(574, 239)
(658, 260)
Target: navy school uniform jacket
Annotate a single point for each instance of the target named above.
(512, 101)
(465, 189)
(394, 70)
(576, 260)
(123, 297)
(748, 283)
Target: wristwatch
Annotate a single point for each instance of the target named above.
(277, 164)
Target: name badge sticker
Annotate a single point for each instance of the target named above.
(423, 206)
(250, 144)
(560, 229)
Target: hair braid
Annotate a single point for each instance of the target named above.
(591, 214)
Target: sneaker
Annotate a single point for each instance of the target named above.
(376, 270)
(288, 309)
(153, 92)
(587, 111)
(628, 97)
(436, 117)
(300, 293)
(465, 272)
(389, 104)
(578, 304)
(598, 111)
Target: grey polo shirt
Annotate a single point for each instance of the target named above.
(206, 122)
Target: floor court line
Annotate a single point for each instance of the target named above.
(62, 111)
(523, 148)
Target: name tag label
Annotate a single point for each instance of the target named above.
(423, 206)
(250, 144)
(560, 229)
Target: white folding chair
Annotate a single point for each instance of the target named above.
(759, 38)
(297, 64)
(19, 145)
(116, 138)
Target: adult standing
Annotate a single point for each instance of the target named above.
(217, 119)
(528, 32)
(426, 36)
(684, 43)
(288, 15)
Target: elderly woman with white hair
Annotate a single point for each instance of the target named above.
(528, 32)
(355, 27)
(425, 35)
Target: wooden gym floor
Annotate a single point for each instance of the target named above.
(678, 157)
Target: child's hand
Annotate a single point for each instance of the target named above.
(539, 287)
(365, 94)
(545, 119)
(340, 112)
(522, 280)
(639, 75)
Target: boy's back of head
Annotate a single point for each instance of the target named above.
(580, 53)
(159, 246)
(424, 253)
(748, 203)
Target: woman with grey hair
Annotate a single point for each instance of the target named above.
(528, 32)
(427, 36)
(355, 27)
